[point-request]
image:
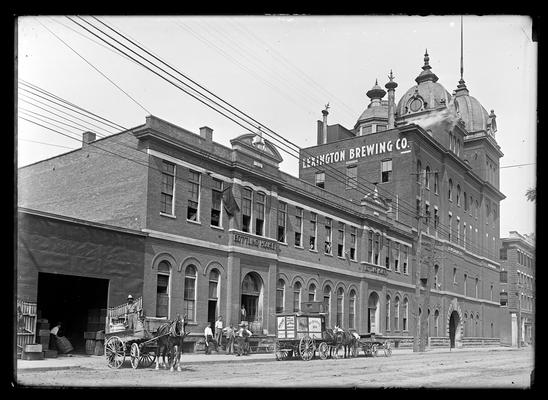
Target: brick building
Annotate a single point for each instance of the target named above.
(517, 288)
(225, 227)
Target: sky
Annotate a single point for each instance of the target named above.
(282, 71)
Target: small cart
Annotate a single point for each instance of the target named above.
(371, 345)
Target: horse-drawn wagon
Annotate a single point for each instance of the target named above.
(139, 343)
(303, 334)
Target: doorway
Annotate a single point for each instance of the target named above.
(373, 311)
(75, 301)
(454, 333)
(252, 297)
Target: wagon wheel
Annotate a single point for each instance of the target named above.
(339, 351)
(374, 350)
(323, 350)
(306, 348)
(134, 354)
(146, 358)
(115, 352)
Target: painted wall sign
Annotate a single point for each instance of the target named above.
(373, 269)
(355, 153)
(255, 242)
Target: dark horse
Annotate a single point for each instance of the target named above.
(342, 338)
(169, 340)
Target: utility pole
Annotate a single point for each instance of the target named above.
(519, 317)
(417, 336)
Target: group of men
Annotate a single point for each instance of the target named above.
(237, 340)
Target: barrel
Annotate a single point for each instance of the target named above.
(90, 346)
(63, 345)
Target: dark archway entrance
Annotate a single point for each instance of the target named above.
(252, 299)
(454, 333)
(373, 313)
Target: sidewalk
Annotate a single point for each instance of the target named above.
(99, 362)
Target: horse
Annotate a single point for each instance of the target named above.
(170, 337)
(342, 338)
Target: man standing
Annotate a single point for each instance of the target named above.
(242, 338)
(230, 336)
(219, 330)
(243, 314)
(209, 341)
(131, 313)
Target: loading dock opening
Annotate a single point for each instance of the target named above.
(68, 299)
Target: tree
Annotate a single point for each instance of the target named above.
(531, 194)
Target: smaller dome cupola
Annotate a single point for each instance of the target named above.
(376, 93)
(426, 74)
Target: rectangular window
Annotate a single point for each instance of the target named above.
(454, 275)
(320, 179)
(297, 299)
(168, 184)
(436, 183)
(387, 254)
(449, 234)
(340, 242)
(376, 250)
(299, 227)
(194, 196)
(370, 247)
(464, 283)
(503, 299)
(396, 256)
(282, 216)
(246, 209)
(313, 230)
(405, 259)
(259, 213)
(436, 221)
(216, 200)
(189, 297)
(328, 237)
(353, 242)
(352, 177)
(458, 230)
(427, 214)
(503, 253)
(464, 234)
(351, 312)
(386, 170)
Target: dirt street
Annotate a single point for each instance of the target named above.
(483, 368)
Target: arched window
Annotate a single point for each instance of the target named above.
(213, 292)
(476, 210)
(477, 331)
(458, 195)
(492, 330)
(388, 305)
(477, 288)
(465, 325)
(162, 289)
(405, 314)
(340, 300)
(327, 303)
(280, 295)
(436, 277)
(190, 293)
(427, 177)
(297, 297)
(450, 192)
(312, 292)
(436, 182)
(396, 313)
(247, 196)
(436, 322)
(465, 201)
(352, 310)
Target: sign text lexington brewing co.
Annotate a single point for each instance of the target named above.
(354, 153)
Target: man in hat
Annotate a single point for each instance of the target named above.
(219, 330)
(209, 341)
(242, 338)
(131, 313)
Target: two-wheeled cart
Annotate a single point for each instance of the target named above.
(371, 345)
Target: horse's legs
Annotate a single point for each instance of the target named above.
(157, 357)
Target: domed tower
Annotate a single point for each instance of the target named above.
(426, 96)
(375, 116)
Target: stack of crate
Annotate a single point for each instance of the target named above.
(95, 329)
(26, 325)
(32, 352)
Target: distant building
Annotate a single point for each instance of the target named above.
(517, 288)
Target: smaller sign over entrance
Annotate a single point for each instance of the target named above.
(244, 240)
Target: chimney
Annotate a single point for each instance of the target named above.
(206, 133)
(324, 131)
(87, 138)
(391, 86)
